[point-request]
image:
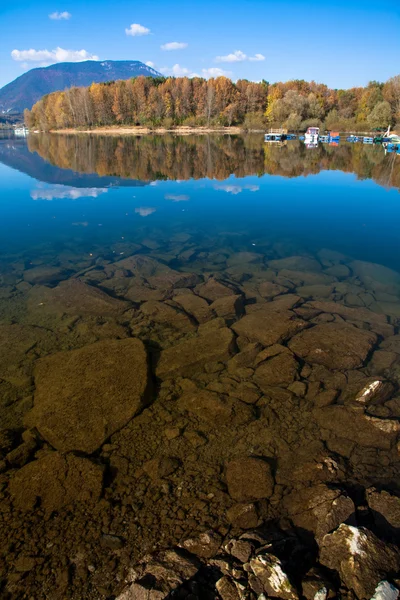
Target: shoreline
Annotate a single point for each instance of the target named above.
(138, 131)
(147, 130)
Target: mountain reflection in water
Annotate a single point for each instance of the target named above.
(217, 157)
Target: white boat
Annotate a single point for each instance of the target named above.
(311, 135)
(275, 136)
(21, 131)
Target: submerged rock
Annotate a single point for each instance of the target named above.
(157, 576)
(361, 559)
(195, 306)
(215, 409)
(45, 274)
(160, 312)
(358, 427)
(295, 263)
(205, 545)
(385, 591)
(269, 572)
(269, 325)
(74, 297)
(278, 370)
(386, 507)
(334, 345)
(249, 479)
(190, 356)
(83, 396)
(318, 509)
(16, 341)
(377, 277)
(213, 290)
(56, 481)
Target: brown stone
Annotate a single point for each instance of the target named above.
(213, 289)
(160, 312)
(334, 345)
(249, 479)
(243, 516)
(56, 481)
(354, 425)
(267, 289)
(74, 297)
(361, 559)
(279, 370)
(228, 307)
(196, 306)
(83, 396)
(44, 274)
(269, 325)
(318, 509)
(295, 263)
(190, 356)
(386, 507)
(205, 545)
(214, 408)
(347, 312)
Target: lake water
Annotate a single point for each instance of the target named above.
(261, 285)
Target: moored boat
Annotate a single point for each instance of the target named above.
(312, 134)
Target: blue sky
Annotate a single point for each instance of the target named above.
(333, 41)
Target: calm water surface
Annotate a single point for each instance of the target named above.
(91, 192)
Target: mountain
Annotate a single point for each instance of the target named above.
(27, 89)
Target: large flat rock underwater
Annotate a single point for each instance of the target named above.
(83, 396)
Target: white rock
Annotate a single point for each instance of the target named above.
(385, 591)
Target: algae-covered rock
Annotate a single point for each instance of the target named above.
(55, 481)
(190, 356)
(83, 396)
(334, 345)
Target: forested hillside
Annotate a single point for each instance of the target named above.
(219, 102)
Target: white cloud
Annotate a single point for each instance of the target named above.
(145, 211)
(136, 30)
(66, 192)
(52, 56)
(150, 63)
(177, 71)
(174, 46)
(257, 57)
(236, 189)
(175, 198)
(216, 72)
(60, 16)
(238, 56)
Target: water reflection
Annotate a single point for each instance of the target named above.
(181, 158)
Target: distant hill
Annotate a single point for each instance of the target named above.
(27, 89)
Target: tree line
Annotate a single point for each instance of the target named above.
(172, 157)
(171, 102)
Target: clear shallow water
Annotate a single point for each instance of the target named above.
(92, 192)
(256, 291)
